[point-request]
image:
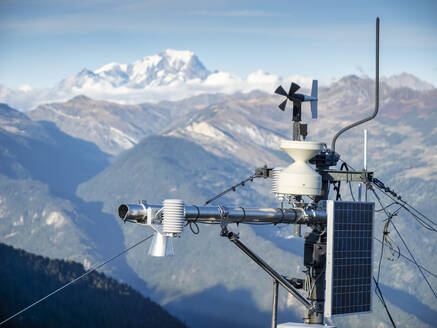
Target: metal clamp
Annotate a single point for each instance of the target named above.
(304, 217)
(223, 216)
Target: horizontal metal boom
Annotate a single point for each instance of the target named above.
(212, 214)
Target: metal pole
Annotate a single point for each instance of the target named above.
(297, 228)
(275, 304)
(365, 150)
(365, 161)
(371, 117)
(360, 187)
(267, 268)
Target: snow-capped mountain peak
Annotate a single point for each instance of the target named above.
(165, 68)
(111, 67)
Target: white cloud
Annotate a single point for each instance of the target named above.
(25, 88)
(171, 75)
(26, 98)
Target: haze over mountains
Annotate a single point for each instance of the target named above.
(72, 163)
(170, 75)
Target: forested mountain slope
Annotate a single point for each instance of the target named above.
(93, 301)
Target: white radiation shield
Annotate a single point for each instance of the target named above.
(299, 178)
(161, 245)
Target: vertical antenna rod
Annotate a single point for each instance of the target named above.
(365, 163)
(365, 150)
(376, 94)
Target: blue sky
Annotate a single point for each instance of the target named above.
(44, 41)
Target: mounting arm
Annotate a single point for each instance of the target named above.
(267, 268)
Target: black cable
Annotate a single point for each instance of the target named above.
(418, 219)
(194, 231)
(74, 280)
(191, 223)
(233, 188)
(389, 241)
(384, 208)
(346, 165)
(415, 262)
(392, 195)
(389, 192)
(384, 239)
(378, 293)
(407, 258)
(337, 185)
(403, 241)
(423, 215)
(380, 259)
(350, 166)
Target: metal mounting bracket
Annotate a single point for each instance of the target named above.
(348, 176)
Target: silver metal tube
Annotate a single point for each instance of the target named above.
(211, 214)
(365, 162)
(297, 230)
(365, 150)
(136, 212)
(275, 304)
(371, 117)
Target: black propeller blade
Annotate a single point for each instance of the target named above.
(280, 91)
(293, 88)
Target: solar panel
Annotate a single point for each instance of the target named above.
(349, 257)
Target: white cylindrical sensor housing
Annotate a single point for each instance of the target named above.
(299, 178)
(173, 217)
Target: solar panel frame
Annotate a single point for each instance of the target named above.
(345, 235)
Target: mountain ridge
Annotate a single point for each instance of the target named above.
(170, 75)
(128, 123)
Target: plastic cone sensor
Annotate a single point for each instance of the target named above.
(161, 245)
(299, 178)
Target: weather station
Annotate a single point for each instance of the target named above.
(338, 249)
(164, 127)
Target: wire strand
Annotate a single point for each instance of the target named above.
(233, 188)
(404, 206)
(406, 257)
(76, 279)
(403, 241)
(384, 208)
(378, 293)
(378, 184)
(415, 262)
